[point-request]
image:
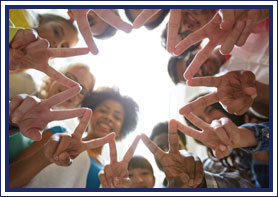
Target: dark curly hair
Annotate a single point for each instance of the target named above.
(150, 26)
(131, 108)
(139, 162)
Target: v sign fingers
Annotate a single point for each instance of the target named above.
(113, 152)
(157, 152)
(78, 132)
(173, 136)
(173, 29)
(144, 17)
(131, 150)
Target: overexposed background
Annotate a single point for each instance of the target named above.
(136, 63)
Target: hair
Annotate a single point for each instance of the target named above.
(110, 30)
(43, 93)
(162, 127)
(150, 26)
(191, 49)
(131, 108)
(139, 162)
(45, 18)
(172, 68)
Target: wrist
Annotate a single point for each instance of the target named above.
(247, 138)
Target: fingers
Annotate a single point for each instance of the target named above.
(248, 81)
(209, 81)
(34, 134)
(15, 102)
(200, 103)
(143, 17)
(23, 37)
(173, 136)
(228, 19)
(61, 97)
(120, 182)
(199, 171)
(113, 19)
(109, 175)
(84, 28)
(103, 180)
(221, 134)
(113, 151)
(191, 39)
(232, 38)
(59, 77)
(249, 26)
(157, 152)
(66, 52)
(78, 132)
(64, 159)
(173, 28)
(131, 149)
(198, 60)
(51, 146)
(240, 105)
(221, 151)
(23, 107)
(64, 142)
(189, 131)
(100, 141)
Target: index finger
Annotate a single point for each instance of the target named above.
(198, 60)
(157, 152)
(173, 136)
(59, 77)
(131, 149)
(113, 19)
(61, 97)
(143, 17)
(78, 132)
(113, 151)
(66, 52)
(173, 28)
(200, 103)
(209, 81)
(189, 40)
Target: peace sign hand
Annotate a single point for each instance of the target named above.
(37, 54)
(80, 15)
(115, 175)
(182, 169)
(221, 135)
(32, 115)
(236, 90)
(144, 17)
(61, 148)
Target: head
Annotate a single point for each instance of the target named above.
(77, 72)
(112, 112)
(140, 172)
(99, 28)
(177, 65)
(159, 136)
(60, 32)
(153, 22)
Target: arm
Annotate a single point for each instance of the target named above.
(261, 102)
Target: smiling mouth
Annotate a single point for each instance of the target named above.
(105, 127)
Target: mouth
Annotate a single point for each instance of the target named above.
(105, 127)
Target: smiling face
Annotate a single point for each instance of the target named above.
(107, 117)
(141, 178)
(59, 34)
(81, 76)
(193, 19)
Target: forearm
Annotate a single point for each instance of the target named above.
(22, 171)
(247, 138)
(261, 102)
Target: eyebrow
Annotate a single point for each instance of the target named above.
(62, 30)
(118, 112)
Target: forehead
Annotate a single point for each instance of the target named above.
(82, 76)
(161, 138)
(112, 105)
(70, 35)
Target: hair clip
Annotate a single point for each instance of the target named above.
(71, 17)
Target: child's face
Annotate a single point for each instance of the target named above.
(97, 25)
(141, 178)
(58, 33)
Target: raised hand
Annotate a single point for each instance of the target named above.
(181, 168)
(115, 175)
(32, 115)
(23, 37)
(80, 15)
(236, 90)
(37, 54)
(144, 17)
(61, 148)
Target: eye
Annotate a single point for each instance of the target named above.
(65, 45)
(56, 32)
(118, 118)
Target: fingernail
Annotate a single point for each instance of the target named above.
(254, 96)
(230, 148)
(56, 158)
(116, 181)
(222, 148)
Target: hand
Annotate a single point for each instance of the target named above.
(37, 55)
(32, 115)
(61, 148)
(181, 169)
(144, 17)
(221, 135)
(236, 90)
(23, 37)
(80, 15)
(115, 175)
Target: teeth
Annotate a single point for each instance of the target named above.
(104, 126)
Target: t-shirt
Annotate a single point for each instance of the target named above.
(92, 179)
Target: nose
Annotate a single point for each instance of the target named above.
(138, 179)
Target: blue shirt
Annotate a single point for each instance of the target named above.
(92, 178)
